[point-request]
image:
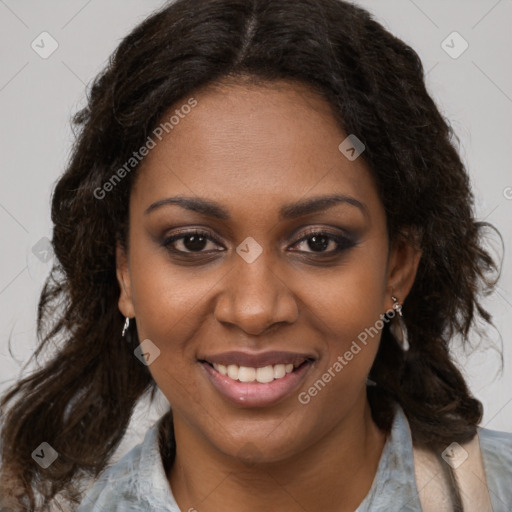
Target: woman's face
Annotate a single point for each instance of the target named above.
(248, 168)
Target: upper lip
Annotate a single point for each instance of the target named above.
(257, 360)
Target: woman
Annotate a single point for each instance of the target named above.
(264, 216)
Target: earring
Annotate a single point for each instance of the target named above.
(126, 325)
(399, 331)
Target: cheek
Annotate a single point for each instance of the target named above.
(168, 298)
(171, 305)
(347, 308)
(352, 296)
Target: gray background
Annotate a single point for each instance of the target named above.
(38, 97)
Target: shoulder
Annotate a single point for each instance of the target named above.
(112, 484)
(136, 482)
(496, 448)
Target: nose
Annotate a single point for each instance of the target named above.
(255, 298)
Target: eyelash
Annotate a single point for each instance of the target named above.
(343, 242)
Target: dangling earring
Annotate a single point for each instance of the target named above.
(399, 331)
(126, 325)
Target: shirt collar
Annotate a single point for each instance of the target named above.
(138, 480)
(394, 486)
(151, 470)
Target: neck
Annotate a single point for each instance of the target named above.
(333, 474)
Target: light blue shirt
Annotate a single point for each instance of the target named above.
(137, 482)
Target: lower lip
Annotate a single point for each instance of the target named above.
(256, 394)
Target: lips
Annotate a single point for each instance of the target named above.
(256, 380)
(257, 360)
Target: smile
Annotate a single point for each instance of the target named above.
(256, 385)
(262, 375)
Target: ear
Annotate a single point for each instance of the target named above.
(123, 278)
(403, 264)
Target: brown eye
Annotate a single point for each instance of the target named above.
(189, 242)
(320, 241)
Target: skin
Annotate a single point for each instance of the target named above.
(253, 149)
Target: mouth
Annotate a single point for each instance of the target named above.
(256, 381)
(262, 374)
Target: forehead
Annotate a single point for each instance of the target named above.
(260, 144)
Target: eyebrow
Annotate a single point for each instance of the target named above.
(286, 212)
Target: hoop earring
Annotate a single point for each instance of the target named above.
(399, 331)
(125, 327)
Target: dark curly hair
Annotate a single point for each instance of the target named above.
(374, 83)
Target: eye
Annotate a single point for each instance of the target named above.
(319, 241)
(193, 241)
(196, 241)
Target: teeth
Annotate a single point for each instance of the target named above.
(232, 371)
(222, 369)
(265, 374)
(279, 371)
(246, 374)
